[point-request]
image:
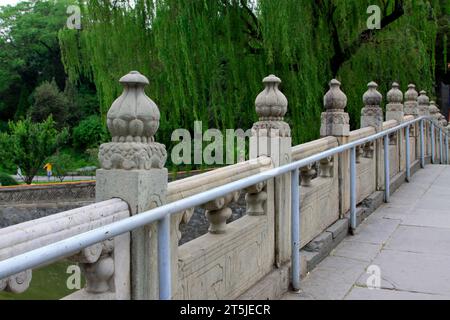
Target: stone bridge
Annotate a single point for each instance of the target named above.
(350, 216)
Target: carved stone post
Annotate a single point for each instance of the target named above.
(271, 137)
(133, 170)
(423, 104)
(394, 108)
(372, 116)
(411, 108)
(336, 122)
(434, 112)
(423, 110)
(394, 111)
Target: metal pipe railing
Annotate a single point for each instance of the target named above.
(295, 229)
(433, 158)
(408, 155)
(70, 246)
(387, 177)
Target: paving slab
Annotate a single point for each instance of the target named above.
(375, 231)
(358, 293)
(361, 251)
(331, 280)
(415, 272)
(420, 240)
(428, 218)
(408, 239)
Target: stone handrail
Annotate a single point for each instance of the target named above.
(34, 234)
(192, 185)
(309, 148)
(361, 133)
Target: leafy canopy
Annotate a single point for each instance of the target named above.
(28, 144)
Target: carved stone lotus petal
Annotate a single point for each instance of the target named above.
(133, 117)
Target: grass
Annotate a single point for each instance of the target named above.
(48, 283)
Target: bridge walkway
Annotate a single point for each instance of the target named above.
(406, 242)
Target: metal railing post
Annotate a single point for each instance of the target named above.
(353, 190)
(295, 229)
(386, 169)
(422, 146)
(441, 150)
(165, 279)
(408, 156)
(432, 143)
(446, 149)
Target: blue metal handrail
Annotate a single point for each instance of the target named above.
(70, 246)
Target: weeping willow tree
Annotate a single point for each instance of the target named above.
(205, 58)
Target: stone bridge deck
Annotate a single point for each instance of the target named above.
(408, 239)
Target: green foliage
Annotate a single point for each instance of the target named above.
(62, 164)
(205, 59)
(29, 51)
(49, 100)
(29, 144)
(89, 133)
(7, 180)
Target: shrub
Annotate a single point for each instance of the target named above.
(7, 180)
(29, 144)
(89, 133)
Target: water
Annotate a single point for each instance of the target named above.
(48, 283)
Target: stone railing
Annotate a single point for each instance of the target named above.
(247, 258)
(105, 265)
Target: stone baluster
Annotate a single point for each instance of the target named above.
(336, 122)
(271, 137)
(372, 116)
(256, 197)
(17, 283)
(359, 153)
(133, 170)
(217, 212)
(368, 150)
(326, 167)
(306, 175)
(97, 264)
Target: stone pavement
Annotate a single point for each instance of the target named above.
(408, 239)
